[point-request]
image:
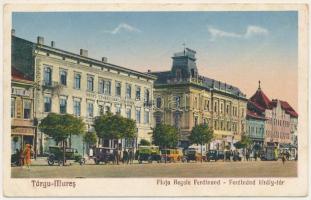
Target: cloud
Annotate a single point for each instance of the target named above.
(251, 31)
(123, 27)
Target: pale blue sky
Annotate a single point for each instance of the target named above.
(237, 47)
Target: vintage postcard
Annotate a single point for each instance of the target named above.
(138, 100)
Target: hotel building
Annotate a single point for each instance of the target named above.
(74, 83)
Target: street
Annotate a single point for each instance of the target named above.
(205, 169)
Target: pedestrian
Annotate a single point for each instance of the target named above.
(27, 155)
(125, 156)
(255, 156)
(119, 155)
(115, 155)
(91, 153)
(21, 157)
(131, 156)
(287, 155)
(247, 155)
(231, 155)
(283, 158)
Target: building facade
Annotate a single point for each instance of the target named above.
(22, 115)
(278, 116)
(184, 99)
(85, 87)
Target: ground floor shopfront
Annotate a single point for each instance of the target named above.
(21, 136)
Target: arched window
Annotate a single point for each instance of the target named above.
(159, 102)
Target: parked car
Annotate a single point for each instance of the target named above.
(171, 155)
(191, 154)
(215, 155)
(56, 155)
(103, 154)
(149, 153)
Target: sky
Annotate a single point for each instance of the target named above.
(239, 48)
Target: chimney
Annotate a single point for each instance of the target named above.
(40, 40)
(13, 32)
(83, 52)
(52, 44)
(104, 59)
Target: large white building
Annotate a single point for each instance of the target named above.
(77, 84)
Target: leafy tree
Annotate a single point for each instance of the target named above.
(144, 142)
(90, 138)
(165, 136)
(59, 127)
(114, 127)
(244, 143)
(201, 134)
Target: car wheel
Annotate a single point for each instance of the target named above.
(50, 162)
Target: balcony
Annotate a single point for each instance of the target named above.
(22, 122)
(49, 84)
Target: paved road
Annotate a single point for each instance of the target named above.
(205, 169)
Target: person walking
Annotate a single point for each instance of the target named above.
(125, 156)
(115, 155)
(131, 156)
(283, 158)
(27, 155)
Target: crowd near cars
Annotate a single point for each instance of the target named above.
(150, 154)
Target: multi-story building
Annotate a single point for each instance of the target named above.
(85, 87)
(184, 99)
(278, 116)
(22, 123)
(255, 125)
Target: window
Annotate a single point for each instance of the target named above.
(138, 93)
(118, 109)
(208, 105)
(159, 102)
(27, 109)
(47, 76)
(90, 109)
(90, 83)
(138, 116)
(47, 104)
(107, 109)
(118, 89)
(215, 107)
(104, 87)
(12, 107)
(63, 77)
(227, 109)
(177, 100)
(77, 107)
(146, 97)
(101, 110)
(63, 105)
(146, 117)
(128, 91)
(228, 126)
(221, 108)
(77, 81)
(196, 120)
(158, 119)
(128, 113)
(178, 74)
(204, 121)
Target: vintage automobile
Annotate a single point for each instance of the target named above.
(171, 155)
(191, 154)
(56, 153)
(103, 154)
(149, 153)
(215, 155)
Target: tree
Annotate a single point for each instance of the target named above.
(165, 136)
(59, 127)
(244, 143)
(114, 127)
(201, 134)
(90, 138)
(144, 142)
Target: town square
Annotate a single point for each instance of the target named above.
(127, 100)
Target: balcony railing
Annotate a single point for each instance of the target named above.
(49, 84)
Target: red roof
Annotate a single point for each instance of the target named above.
(18, 75)
(285, 106)
(260, 99)
(254, 115)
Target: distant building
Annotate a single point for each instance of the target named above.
(184, 99)
(77, 84)
(22, 115)
(279, 114)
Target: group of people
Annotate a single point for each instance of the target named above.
(22, 157)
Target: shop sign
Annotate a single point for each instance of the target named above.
(20, 91)
(22, 131)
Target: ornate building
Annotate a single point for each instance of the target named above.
(85, 87)
(184, 99)
(22, 115)
(280, 118)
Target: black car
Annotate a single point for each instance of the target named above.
(215, 155)
(103, 154)
(190, 155)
